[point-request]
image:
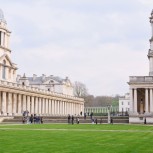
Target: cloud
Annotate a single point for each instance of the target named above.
(99, 43)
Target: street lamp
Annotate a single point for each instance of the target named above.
(108, 111)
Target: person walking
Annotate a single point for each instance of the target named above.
(145, 122)
(111, 120)
(72, 119)
(78, 120)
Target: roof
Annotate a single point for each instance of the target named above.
(43, 79)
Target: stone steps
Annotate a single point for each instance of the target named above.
(63, 119)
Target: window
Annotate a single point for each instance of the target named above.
(128, 103)
(51, 82)
(0, 38)
(122, 103)
(4, 70)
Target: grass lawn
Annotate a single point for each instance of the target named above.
(83, 138)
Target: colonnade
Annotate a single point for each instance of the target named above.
(136, 100)
(15, 99)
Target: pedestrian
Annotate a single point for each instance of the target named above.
(81, 113)
(85, 116)
(78, 120)
(111, 120)
(145, 122)
(69, 118)
(31, 119)
(72, 119)
(96, 120)
(41, 120)
(101, 121)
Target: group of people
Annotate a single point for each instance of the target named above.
(71, 119)
(33, 119)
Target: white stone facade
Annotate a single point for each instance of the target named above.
(50, 83)
(16, 97)
(124, 103)
(141, 91)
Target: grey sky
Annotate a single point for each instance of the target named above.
(97, 42)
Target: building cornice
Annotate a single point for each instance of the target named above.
(5, 48)
(36, 92)
(5, 30)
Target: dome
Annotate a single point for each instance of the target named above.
(2, 16)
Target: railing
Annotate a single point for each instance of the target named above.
(141, 78)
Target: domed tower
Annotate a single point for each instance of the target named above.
(7, 68)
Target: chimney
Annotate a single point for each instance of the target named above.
(18, 77)
(43, 77)
(34, 76)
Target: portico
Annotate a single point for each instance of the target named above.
(141, 91)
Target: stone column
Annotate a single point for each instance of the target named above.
(1, 71)
(131, 100)
(32, 105)
(0, 101)
(151, 101)
(24, 103)
(4, 103)
(9, 104)
(36, 105)
(146, 100)
(47, 107)
(43, 106)
(65, 108)
(19, 105)
(14, 103)
(28, 104)
(39, 101)
(135, 101)
(58, 107)
(53, 107)
(50, 106)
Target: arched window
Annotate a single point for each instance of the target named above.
(4, 70)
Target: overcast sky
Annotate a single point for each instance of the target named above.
(97, 42)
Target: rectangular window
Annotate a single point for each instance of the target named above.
(122, 102)
(128, 103)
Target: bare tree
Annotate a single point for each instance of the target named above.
(80, 90)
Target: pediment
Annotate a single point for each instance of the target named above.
(51, 81)
(7, 59)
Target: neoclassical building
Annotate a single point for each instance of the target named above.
(24, 94)
(50, 83)
(124, 103)
(141, 91)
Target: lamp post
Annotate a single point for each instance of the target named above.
(108, 111)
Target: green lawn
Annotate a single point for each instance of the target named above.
(83, 138)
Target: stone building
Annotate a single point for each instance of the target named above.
(50, 83)
(141, 91)
(124, 103)
(17, 97)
